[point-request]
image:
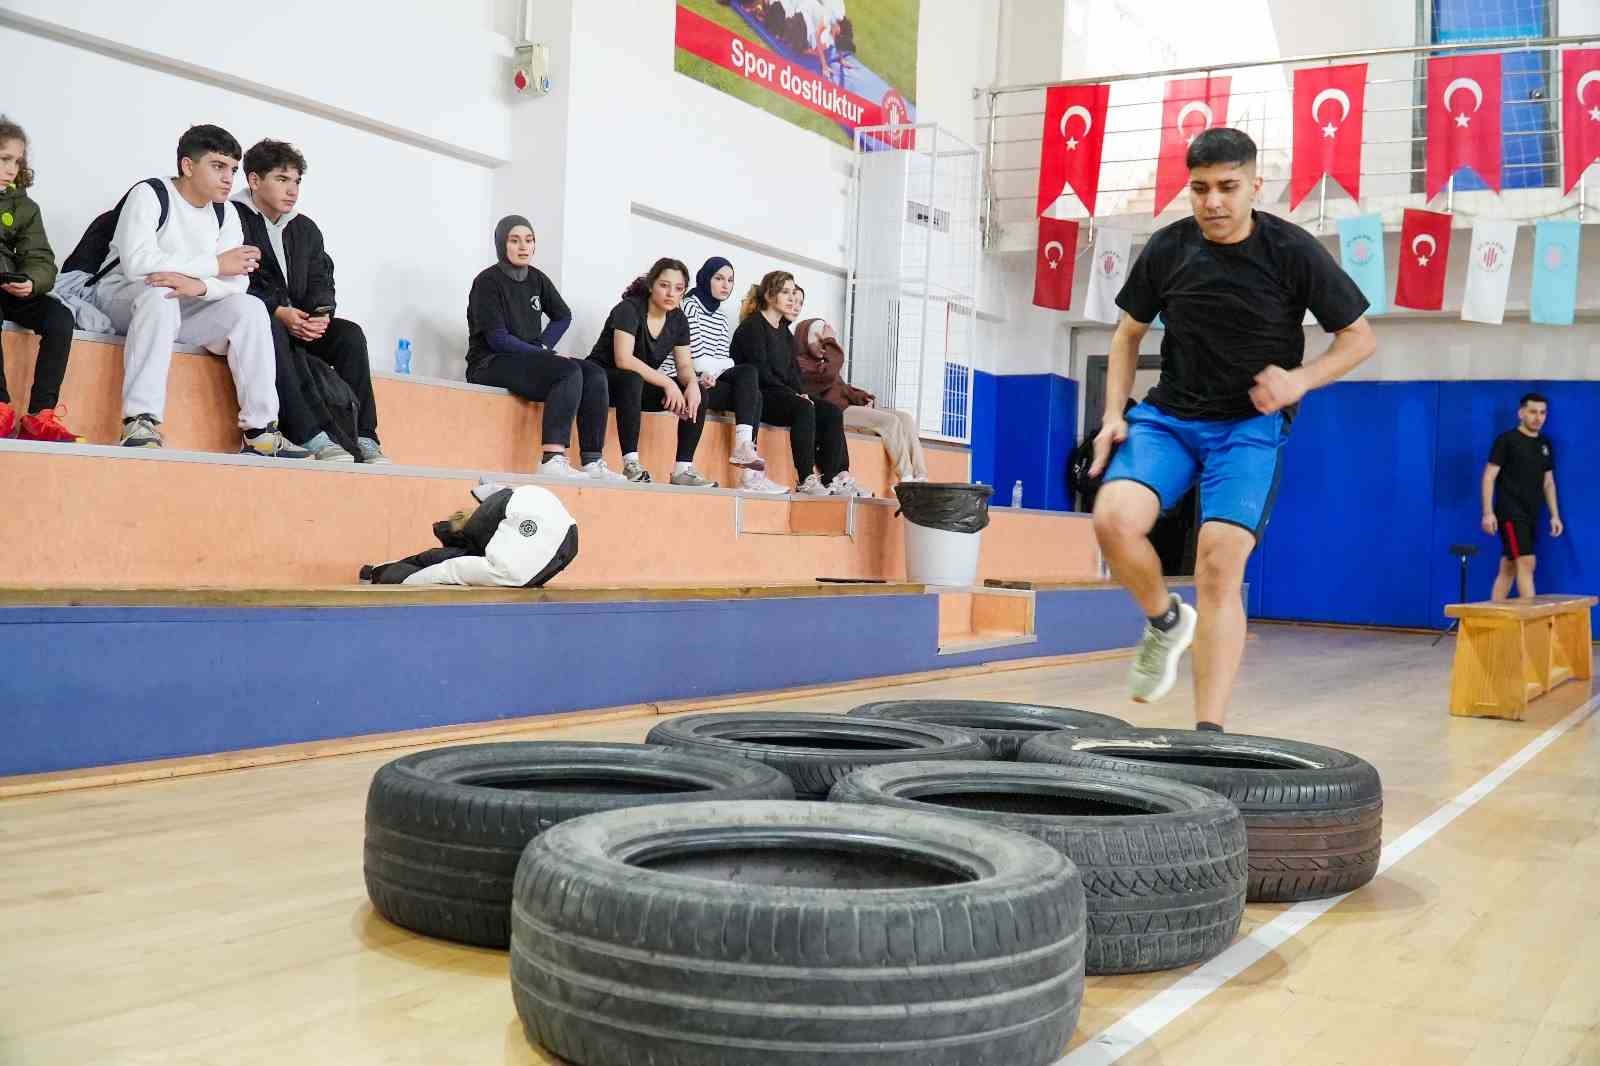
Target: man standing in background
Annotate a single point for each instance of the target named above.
(1521, 470)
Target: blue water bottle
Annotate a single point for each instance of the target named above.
(402, 357)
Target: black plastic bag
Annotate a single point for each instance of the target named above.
(955, 507)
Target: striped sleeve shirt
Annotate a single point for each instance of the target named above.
(708, 337)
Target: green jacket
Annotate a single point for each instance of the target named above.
(24, 249)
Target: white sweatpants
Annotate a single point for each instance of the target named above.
(235, 326)
(900, 437)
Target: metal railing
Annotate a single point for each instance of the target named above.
(1393, 139)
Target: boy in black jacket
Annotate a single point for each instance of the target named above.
(295, 281)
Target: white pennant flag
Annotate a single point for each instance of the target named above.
(1107, 271)
(1494, 242)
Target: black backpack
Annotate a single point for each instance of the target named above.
(332, 398)
(95, 244)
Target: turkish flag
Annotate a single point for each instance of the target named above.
(1463, 119)
(1052, 268)
(1329, 105)
(1424, 255)
(1191, 105)
(1580, 111)
(1074, 131)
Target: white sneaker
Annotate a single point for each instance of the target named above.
(756, 481)
(745, 455)
(558, 466)
(1155, 664)
(845, 485)
(599, 471)
(812, 486)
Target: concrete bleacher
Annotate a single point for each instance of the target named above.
(189, 600)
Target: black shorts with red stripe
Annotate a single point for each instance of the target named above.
(1516, 537)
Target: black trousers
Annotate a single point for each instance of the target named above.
(632, 395)
(344, 347)
(566, 387)
(816, 432)
(737, 391)
(51, 320)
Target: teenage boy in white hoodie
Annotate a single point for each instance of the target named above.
(186, 282)
(295, 281)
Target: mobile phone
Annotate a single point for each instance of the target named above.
(322, 312)
(8, 277)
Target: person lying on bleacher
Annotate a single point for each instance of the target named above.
(27, 270)
(295, 281)
(822, 359)
(510, 347)
(517, 538)
(176, 270)
(725, 387)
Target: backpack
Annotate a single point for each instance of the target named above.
(95, 244)
(331, 397)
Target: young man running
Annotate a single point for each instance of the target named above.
(1233, 286)
(1521, 472)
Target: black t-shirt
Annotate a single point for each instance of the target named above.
(1523, 461)
(629, 316)
(1232, 310)
(497, 301)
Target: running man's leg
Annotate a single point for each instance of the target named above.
(1503, 580)
(1525, 567)
(1124, 513)
(1219, 565)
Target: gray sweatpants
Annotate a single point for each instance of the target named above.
(235, 326)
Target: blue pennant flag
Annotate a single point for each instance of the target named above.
(1555, 273)
(1361, 255)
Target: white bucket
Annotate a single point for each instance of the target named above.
(940, 557)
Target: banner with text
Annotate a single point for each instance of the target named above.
(814, 66)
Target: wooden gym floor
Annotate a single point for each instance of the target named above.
(222, 918)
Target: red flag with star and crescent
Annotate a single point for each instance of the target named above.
(1052, 269)
(1424, 255)
(1192, 105)
(1074, 133)
(1463, 119)
(1329, 105)
(1580, 112)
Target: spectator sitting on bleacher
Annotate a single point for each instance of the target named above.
(295, 281)
(186, 281)
(27, 270)
(763, 340)
(821, 358)
(644, 350)
(512, 348)
(724, 386)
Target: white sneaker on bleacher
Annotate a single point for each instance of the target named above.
(812, 486)
(558, 466)
(599, 471)
(845, 485)
(756, 481)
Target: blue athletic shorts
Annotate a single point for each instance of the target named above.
(1237, 463)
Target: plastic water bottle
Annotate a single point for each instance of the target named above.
(402, 357)
(1016, 494)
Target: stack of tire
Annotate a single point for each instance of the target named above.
(671, 902)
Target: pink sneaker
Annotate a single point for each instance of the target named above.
(745, 455)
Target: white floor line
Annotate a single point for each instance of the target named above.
(1148, 1019)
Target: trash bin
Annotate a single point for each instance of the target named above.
(944, 528)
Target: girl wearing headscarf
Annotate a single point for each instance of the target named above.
(511, 347)
(821, 359)
(725, 386)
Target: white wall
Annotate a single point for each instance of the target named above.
(107, 87)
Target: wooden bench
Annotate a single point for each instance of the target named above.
(1514, 651)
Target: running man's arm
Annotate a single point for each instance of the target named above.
(1121, 365)
(1490, 473)
(1277, 388)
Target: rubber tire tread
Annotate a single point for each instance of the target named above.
(815, 771)
(620, 965)
(1162, 890)
(439, 857)
(1314, 832)
(986, 718)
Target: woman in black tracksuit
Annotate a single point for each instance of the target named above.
(763, 340)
